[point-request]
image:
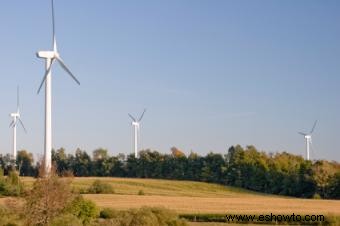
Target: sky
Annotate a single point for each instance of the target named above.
(211, 74)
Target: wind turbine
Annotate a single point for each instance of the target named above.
(16, 119)
(136, 124)
(308, 138)
(50, 57)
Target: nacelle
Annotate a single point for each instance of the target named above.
(14, 115)
(46, 54)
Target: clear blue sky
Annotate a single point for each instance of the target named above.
(211, 74)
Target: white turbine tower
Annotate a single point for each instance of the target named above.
(136, 124)
(50, 57)
(16, 119)
(308, 138)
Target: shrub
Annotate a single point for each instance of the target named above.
(66, 220)
(99, 187)
(144, 216)
(316, 196)
(108, 213)
(167, 217)
(11, 185)
(81, 191)
(8, 217)
(141, 192)
(83, 209)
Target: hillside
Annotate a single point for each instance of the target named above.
(198, 197)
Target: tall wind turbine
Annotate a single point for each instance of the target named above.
(16, 119)
(136, 124)
(50, 57)
(308, 138)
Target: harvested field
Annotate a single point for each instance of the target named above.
(258, 205)
(198, 197)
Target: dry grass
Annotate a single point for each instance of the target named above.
(197, 197)
(258, 205)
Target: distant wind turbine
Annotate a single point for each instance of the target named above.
(16, 119)
(50, 57)
(308, 138)
(136, 124)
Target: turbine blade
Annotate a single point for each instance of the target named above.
(316, 121)
(45, 76)
(18, 98)
(12, 124)
(132, 117)
(62, 64)
(303, 134)
(53, 27)
(22, 124)
(142, 115)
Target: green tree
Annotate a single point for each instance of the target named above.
(194, 167)
(213, 168)
(100, 164)
(234, 160)
(333, 187)
(116, 164)
(25, 163)
(323, 171)
(100, 154)
(62, 161)
(81, 164)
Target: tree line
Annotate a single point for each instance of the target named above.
(279, 173)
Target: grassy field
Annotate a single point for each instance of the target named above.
(131, 186)
(197, 197)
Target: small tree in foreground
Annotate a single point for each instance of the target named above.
(47, 199)
(84, 210)
(11, 185)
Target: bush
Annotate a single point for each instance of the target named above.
(8, 217)
(141, 192)
(11, 185)
(316, 196)
(144, 216)
(66, 220)
(83, 209)
(81, 191)
(99, 187)
(108, 213)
